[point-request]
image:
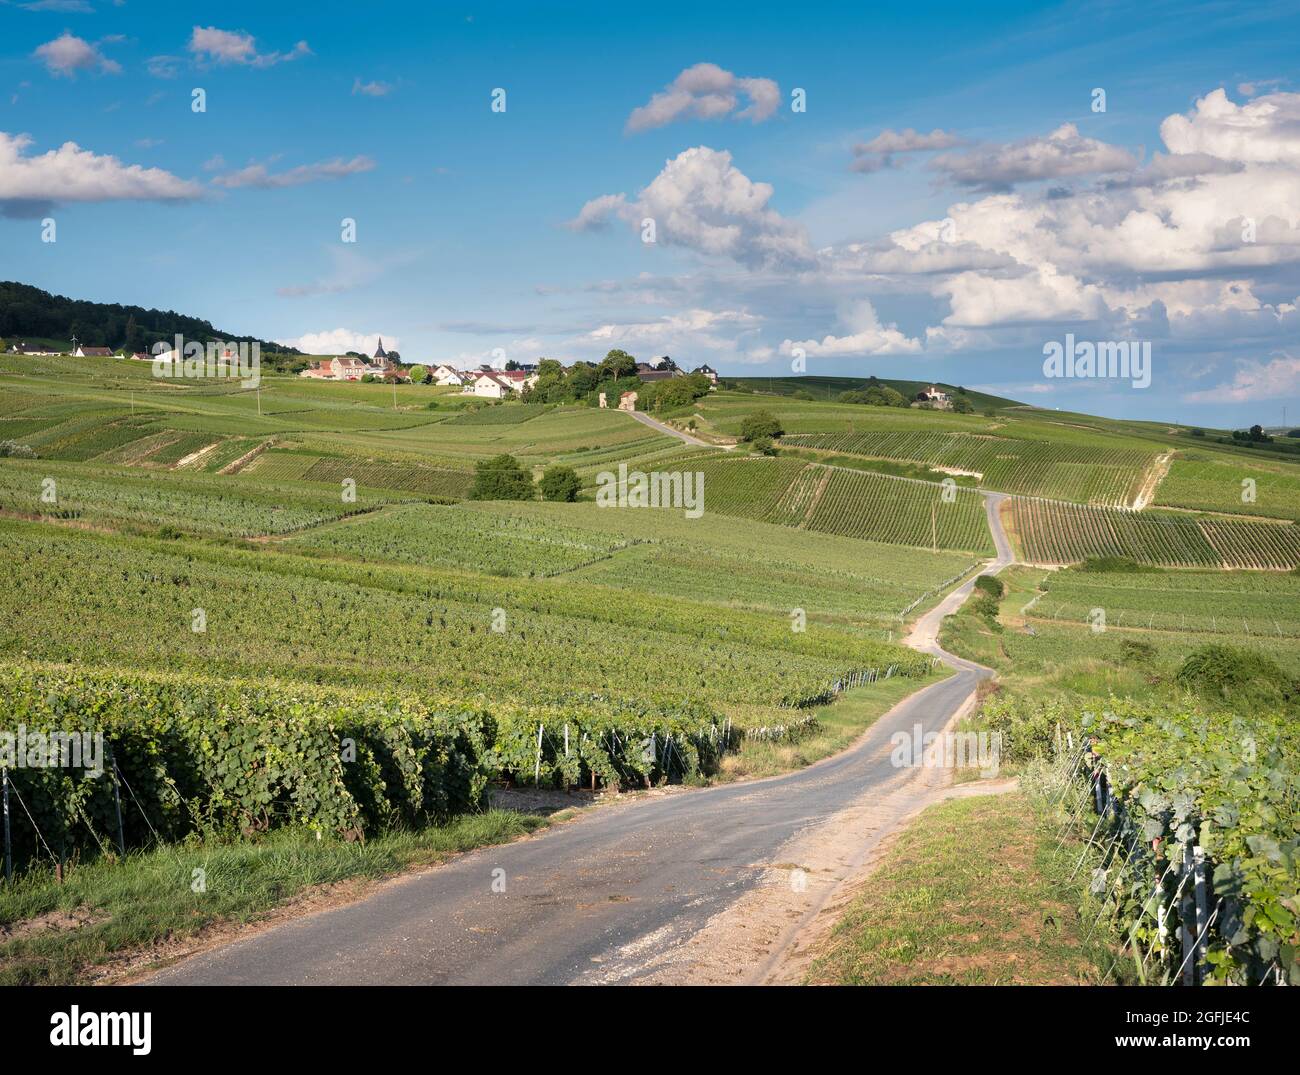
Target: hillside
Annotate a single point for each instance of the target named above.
(27, 313)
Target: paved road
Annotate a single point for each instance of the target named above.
(578, 898)
(663, 427)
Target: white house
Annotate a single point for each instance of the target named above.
(497, 384)
(444, 374)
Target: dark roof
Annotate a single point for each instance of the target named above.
(655, 375)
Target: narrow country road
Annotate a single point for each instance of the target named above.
(663, 427)
(630, 892)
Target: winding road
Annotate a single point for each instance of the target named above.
(696, 885)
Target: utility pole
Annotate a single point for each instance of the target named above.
(259, 401)
(934, 532)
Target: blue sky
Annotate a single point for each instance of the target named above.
(950, 201)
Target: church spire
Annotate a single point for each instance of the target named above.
(380, 352)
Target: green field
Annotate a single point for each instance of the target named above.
(1047, 532)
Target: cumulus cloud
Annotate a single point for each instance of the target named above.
(1064, 152)
(706, 91)
(867, 336)
(703, 202)
(259, 177)
(1265, 130)
(879, 153)
(1278, 378)
(73, 174)
(210, 45)
(339, 341)
(68, 54)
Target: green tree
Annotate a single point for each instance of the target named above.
(501, 478)
(760, 424)
(560, 483)
(420, 375)
(617, 363)
(961, 404)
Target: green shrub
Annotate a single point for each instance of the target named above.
(1236, 675)
(560, 483)
(501, 478)
(991, 585)
(760, 424)
(1135, 651)
(1112, 564)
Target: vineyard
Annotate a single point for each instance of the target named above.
(1234, 488)
(1244, 605)
(1089, 474)
(450, 536)
(313, 620)
(849, 503)
(1055, 533)
(344, 762)
(1196, 821)
(199, 502)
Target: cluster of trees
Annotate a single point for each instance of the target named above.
(504, 478)
(759, 430)
(28, 313)
(613, 375)
(881, 395)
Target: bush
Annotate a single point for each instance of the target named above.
(761, 424)
(985, 606)
(560, 483)
(991, 585)
(764, 446)
(1135, 651)
(1238, 676)
(16, 450)
(1112, 564)
(501, 478)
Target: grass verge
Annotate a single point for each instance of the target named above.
(109, 912)
(974, 892)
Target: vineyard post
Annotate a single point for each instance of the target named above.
(1186, 916)
(1202, 910)
(9, 856)
(537, 766)
(117, 801)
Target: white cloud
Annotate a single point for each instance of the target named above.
(371, 89)
(1254, 381)
(67, 54)
(163, 66)
(259, 177)
(210, 45)
(706, 91)
(879, 152)
(73, 174)
(867, 336)
(339, 341)
(1266, 130)
(1064, 152)
(703, 202)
